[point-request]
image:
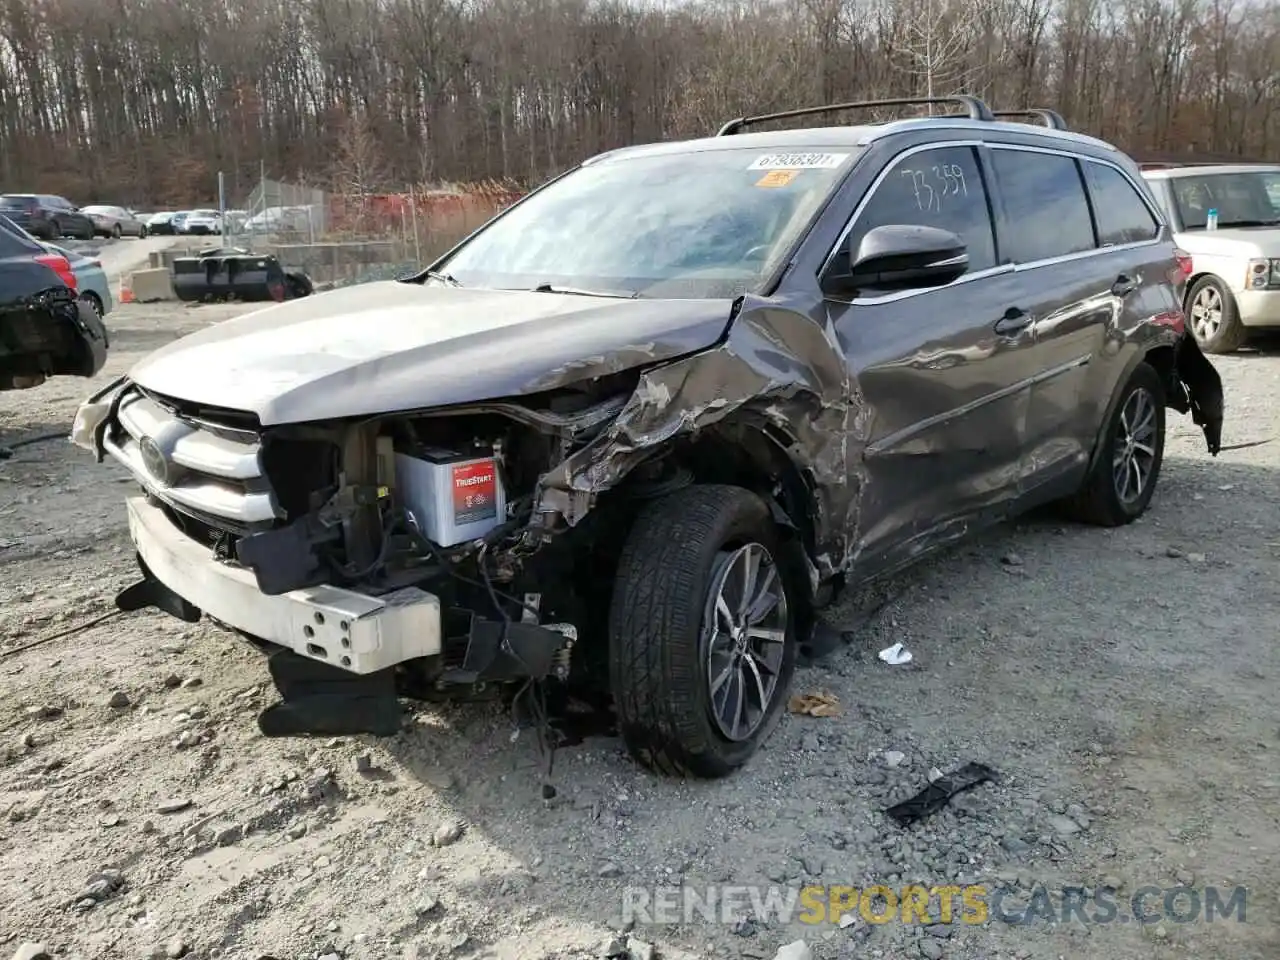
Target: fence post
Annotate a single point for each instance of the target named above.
(413, 210)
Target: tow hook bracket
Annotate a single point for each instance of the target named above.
(498, 651)
(323, 700)
(150, 592)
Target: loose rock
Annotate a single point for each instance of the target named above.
(609, 871)
(1063, 825)
(173, 805)
(175, 948)
(894, 758)
(191, 682)
(31, 951)
(796, 950)
(931, 949)
(119, 700)
(447, 833)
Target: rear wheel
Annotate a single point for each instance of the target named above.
(1215, 319)
(55, 230)
(702, 638)
(94, 303)
(1119, 488)
(116, 232)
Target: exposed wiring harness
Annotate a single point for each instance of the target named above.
(533, 690)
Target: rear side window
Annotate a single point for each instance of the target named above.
(13, 242)
(1122, 215)
(1046, 209)
(940, 188)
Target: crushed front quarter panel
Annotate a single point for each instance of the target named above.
(778, 368)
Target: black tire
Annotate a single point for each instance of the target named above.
(116, 232)
(659, 654)
(142, 232)
(94, 302)
(55, 230)
(1100, 501)
(1221, 330)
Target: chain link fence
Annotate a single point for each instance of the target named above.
(338, 239)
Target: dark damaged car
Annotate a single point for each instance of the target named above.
(45, 329)
(628, 438)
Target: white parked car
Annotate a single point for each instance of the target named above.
(204, 222)
(279, 220)
(1234, 285)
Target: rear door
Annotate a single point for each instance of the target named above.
(940, 396)
(1081, 291)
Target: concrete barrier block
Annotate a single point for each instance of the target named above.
(151, 285)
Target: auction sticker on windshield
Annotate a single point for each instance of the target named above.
(777, 178)
(799, 161)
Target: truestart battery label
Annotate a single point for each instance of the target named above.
(475, 492)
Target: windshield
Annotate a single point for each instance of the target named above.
(1245, 199)
(689, 225)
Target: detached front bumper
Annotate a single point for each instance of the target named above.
(352, 631)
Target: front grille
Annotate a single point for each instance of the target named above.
(211, 473)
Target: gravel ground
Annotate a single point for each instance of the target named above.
(1121, 682)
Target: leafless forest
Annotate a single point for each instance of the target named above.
(145, 100)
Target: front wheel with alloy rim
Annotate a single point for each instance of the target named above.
(702, 639)
(1214, 318)
(1123, 479)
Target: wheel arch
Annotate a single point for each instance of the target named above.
(1163, 358)
(746, 451)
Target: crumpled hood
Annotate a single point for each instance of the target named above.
(381, 347)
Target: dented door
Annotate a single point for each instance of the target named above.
(945, 377)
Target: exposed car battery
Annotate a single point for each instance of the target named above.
(453, 497)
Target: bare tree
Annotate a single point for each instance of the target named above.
(144, 101)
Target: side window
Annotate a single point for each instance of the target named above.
(937, 188)
(1046, 209)
(1122, 215)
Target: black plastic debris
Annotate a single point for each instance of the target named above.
(935, 796)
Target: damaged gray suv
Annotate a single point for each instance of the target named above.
(627, 439)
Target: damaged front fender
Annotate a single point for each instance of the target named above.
(776, 366)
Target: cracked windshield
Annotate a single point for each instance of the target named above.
(687, 225)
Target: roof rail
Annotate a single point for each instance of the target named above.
(1050, 118)
(977, 110)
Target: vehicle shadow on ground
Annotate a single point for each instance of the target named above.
(1026, 639)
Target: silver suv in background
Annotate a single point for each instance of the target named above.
(1227, 217)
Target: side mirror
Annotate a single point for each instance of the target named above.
(899, 257)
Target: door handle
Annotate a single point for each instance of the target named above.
(1124, 285)
(1014, 321)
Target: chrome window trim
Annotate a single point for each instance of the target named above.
(998, 269)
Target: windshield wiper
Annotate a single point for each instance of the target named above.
(443, 278)
(579, 292)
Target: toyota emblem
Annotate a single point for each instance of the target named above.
(154, 460)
